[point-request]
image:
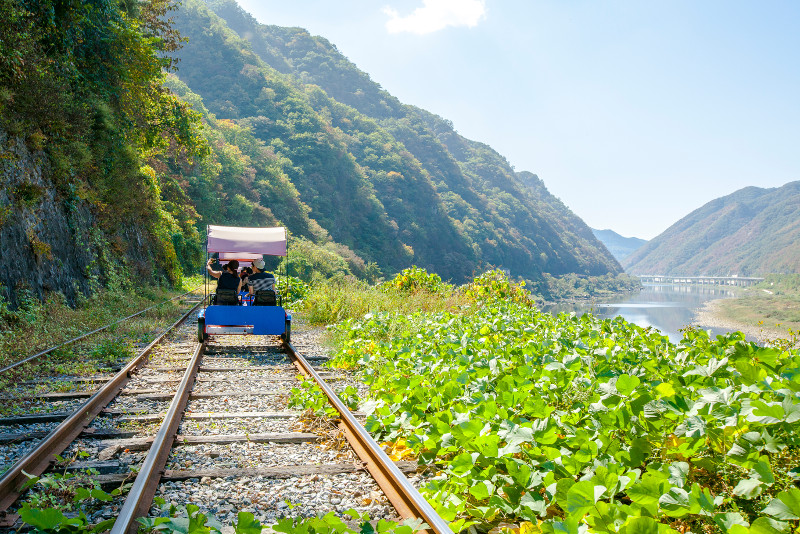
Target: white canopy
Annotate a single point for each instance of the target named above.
(247, 241)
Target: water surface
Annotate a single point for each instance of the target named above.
(665, 307)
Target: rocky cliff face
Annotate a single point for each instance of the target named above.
(49, 241)
(44, 238)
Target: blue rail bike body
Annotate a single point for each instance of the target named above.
(256, 320)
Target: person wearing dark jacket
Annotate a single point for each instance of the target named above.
(227, 278)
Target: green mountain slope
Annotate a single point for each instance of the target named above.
(84, 122)
(619, 246)
(751, 232)
(394, 183)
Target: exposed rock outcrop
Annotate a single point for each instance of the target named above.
(44, 237)
(49, 237)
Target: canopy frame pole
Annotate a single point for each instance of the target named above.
(205, 273)
(286, 270)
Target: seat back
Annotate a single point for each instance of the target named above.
(226, 297)
(265, 297)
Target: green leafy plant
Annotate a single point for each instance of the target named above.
(112, 350)
(417, 279)
(185, 519)
(569, 423)
(293, 290)
(52, 495)
(309, 397)
(330, 523)
(51, 520)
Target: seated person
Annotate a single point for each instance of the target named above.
(246, 272)
(227, 278)
(260, 280)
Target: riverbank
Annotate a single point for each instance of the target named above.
(716, 314)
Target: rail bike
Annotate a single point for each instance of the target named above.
(238, 314)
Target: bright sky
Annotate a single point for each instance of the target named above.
(633, 113)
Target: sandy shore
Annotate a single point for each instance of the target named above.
(710, 316)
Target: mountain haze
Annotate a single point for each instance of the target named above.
(619, 246)
(751, 232)
(393, 183)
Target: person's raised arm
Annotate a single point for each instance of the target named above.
(212, 272)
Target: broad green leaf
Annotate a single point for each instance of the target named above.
(764, 470)
(562, 487)
(708, 503)
(647, 491)
(768, 411)
(678, 503)
(44, 519)
(678, 472)
(743, 453)
(785, 506)
(728, 520)
(640, 525)
(462, 463)
(247, 524)
(626, 384)
(101, 495)
(582, 496)
(482, 490)
(749, 488)
(791, 409)
(765, 525)
(104, 526)
(750, 373)
(665, 390)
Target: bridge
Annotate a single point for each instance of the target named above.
(741, 281)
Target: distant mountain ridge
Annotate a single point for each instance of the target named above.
(619, 246)
(393, 183)
(751, 232)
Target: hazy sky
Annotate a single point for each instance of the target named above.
(633, 113)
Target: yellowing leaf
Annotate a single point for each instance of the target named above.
(665, 390)
(527, 527)
(397, 450)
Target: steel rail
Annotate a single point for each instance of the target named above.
(82, 336)
(39, 459)
(404, 497)
(144, 487)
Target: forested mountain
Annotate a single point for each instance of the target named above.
(751, 232)
(113, 163)
(394, 183)
(619, 246)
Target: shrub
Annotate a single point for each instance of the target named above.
(417, 279)
(495, 284)
(308, 261)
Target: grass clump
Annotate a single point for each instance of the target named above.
(37, 325)
(413, 289)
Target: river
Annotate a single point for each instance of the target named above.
(665, 307)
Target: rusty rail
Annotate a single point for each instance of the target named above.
(404, 497)
(82, 336)
(39, 459)
(145, 486)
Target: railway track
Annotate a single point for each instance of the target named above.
(207, 424)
